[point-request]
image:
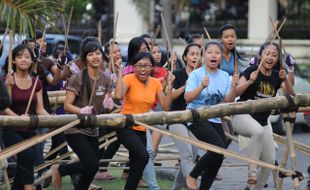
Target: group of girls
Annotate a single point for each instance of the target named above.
(142, 84)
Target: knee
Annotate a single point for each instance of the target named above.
(92, 167)
(259, 133)
(143, 158)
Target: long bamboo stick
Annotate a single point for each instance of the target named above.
(262, 60)
(292, 152)
(31, 95)
(37, 139)
(65, 144)
(49, 173)
(155, 36)
(67, 154)
(183, 41)
(67, 30)
(283, 163)
(170, 49)
(5, 176)
(100, 32)
(57, 93)
(303, 148)
(10, 64)
(118, 120)
(207, 33)
(209, 147)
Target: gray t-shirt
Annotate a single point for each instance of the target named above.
(78, 86)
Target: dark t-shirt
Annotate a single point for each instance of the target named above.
(43, 73)
(20, 98)
(263, 87)
(4, 97)
(179, 81)
(78, 86)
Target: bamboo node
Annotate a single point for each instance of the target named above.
(130, 121)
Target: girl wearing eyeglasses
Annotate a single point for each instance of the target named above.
(139, 91)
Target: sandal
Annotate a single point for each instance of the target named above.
(94, 187)
(251, 182)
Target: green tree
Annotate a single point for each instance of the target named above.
(24, 16)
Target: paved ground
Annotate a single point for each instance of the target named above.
(235, 177)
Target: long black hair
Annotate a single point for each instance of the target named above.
(134, 47)
(186, 50)
(18, 50)
(263, 47)
(228, 27)
(142, 55)
(88, 48)
(107, 49)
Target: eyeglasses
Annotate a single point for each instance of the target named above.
(146, 67)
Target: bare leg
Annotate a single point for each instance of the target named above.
(56, 177)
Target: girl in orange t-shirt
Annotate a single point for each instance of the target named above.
(139, 91)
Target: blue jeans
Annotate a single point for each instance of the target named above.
(149, 171)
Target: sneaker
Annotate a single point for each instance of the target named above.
(104, 176)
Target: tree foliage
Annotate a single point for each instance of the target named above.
(24, 16)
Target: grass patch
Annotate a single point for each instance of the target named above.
(116, 184)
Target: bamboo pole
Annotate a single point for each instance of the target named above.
(57, 93)
(207, 33)
(151, 118)
(49, 173)
(35, 140)
(291, 149)
(100, 32)
(46, 164)
(67, 30)
(31, 95)
(59, 100)
(183, 41)
(262, 60)
(209, 147)
(155, 36)
(93, 89)
(169, 45)
(279, 181)
(10, 61)
(65, 144)
(5, 175)
(236, 61)
(303, 148)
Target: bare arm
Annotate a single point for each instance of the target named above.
(191, 95)
(286, 84)
(53, 80)
(121, 88)
(165, 100)
(68, 105)
(177, 92)
(231, 96)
